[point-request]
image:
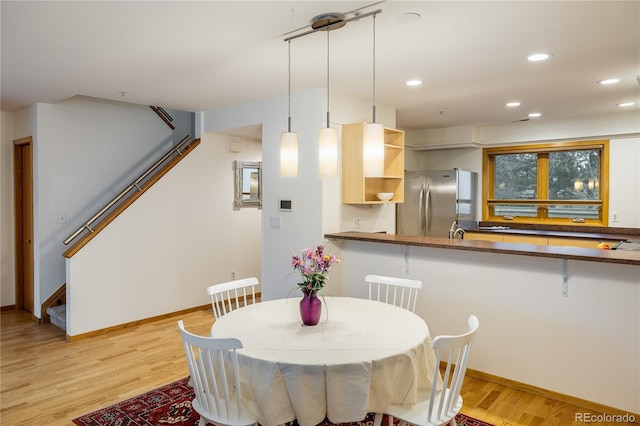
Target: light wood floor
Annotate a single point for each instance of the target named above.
(46, 380)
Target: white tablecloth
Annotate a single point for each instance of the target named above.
(362, 356)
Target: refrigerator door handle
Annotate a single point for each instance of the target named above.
(421, 209)
(427, 213)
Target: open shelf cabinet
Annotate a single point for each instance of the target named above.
(358, 189)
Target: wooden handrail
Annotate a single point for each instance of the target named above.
(129, 200)
(163, 115)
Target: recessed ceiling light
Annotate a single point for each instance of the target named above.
(408, 18)
(413, 82)
(512, 104)
(539, 57)
(626, 104)
(609, 81)
(534, 115)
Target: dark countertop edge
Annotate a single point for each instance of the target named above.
(561, 231)
(558, 252)
(557, 234)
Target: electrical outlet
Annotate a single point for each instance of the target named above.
(233, 275)
(614, 217)
(356, 222)
(61, 218)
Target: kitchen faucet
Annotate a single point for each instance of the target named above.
(455, 230)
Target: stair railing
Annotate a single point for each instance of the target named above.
(164, 115)
(135, 184)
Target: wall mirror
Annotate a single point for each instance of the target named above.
(248, 183)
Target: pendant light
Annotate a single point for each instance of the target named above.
(328, 139)
(373, 134)
(289, 140)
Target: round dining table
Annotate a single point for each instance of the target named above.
(361, 357)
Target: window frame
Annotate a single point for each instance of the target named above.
(542, 201)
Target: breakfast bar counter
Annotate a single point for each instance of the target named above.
(559, 252)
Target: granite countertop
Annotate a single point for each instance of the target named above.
(570, 253)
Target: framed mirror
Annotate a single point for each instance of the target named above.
(248, 183)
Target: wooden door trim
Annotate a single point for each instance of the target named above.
(18, 220)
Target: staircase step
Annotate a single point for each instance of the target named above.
(58, 316)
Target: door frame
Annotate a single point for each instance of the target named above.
(23, 221)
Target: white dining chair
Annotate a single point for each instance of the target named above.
(215, 378)
(439, 407)
(401, 292)
(223, 295)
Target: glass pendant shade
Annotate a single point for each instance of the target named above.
(373, 150)
(328, 152)
(289, 154)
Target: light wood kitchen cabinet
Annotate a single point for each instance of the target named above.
(358, 189)
(579, 242)
(483, 236)
(526, 239)
(536, 239)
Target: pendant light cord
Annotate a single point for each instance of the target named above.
(328, 79)
(374, 68)
(289, 90)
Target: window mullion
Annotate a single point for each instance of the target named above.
(543, 184)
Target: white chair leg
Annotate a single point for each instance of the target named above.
(377, 420)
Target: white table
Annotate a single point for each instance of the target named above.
(362, 356)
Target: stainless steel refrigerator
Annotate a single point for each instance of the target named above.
(437, 202)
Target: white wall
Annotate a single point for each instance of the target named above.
(318, 207)
(184, 123)
(303, 226)
(161, 254)
(624, 187)
(603, 126)
(85, 153)
(586, 345)
(7, 248)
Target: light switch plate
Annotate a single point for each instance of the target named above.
(274, 222)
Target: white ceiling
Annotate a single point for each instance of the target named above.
(202, 55)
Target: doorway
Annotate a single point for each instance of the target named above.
(23, 212)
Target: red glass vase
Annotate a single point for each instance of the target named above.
(310, 308)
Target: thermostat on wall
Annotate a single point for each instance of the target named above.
(286, 205)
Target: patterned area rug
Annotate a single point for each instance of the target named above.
(171, 405)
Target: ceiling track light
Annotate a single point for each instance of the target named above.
(327, 137)
(338, 23)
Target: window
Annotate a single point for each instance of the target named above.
(558, 183)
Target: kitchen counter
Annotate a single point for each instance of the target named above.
(560, 252)
(578, 232)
